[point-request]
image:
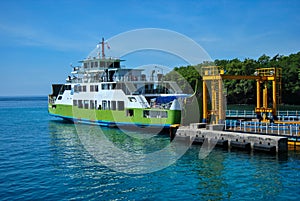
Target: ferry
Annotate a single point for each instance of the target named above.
(101, 91)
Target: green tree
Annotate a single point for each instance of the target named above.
(244, 91)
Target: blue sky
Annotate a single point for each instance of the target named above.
(40, 38)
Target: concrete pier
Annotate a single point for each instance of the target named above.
(199, 133)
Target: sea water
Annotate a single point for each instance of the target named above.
(42, 158)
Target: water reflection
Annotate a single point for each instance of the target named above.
(120, 151)
(84, 141)
(223, 175)
(235, 175)
(65, 145)
(82, 177)
(255, 174)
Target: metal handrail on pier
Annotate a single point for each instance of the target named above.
(240, 113)
(283, 115)
(263, 128)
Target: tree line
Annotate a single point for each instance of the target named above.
(244, 91)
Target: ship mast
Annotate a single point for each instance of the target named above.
(102, 43)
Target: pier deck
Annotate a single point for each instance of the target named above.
(198, 133)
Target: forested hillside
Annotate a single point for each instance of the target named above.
(244, 91)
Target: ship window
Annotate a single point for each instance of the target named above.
(84, 88)
(74, 102)
(92, 64)
(143, 77)
(86, 104)
(130, 113)
(85, 65)
(154, 114)
(104, 86)
(68, 87)
(80, 104)
(104, 105)
(120, 105)
(158, 114)
(132, 99)
(110, 64)
(163, 114)
(92, 88)
(79, 88)
(102, 64)
(92, 106)
(146, 114)
(96, 64)
(96, 88)
(113, 105)
(59, 97)
(108, 105)
(117, 64)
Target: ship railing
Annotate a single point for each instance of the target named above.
(263, 127)
(95, 79)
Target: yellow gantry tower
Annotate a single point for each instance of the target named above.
(213, 85)
(265, 76)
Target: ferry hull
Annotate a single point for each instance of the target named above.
(114, 118)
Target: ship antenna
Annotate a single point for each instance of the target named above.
(103, 55)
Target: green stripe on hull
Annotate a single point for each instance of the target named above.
(114, 116)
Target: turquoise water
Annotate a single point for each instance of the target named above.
(42, 158)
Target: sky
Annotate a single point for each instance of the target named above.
(39, 39)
